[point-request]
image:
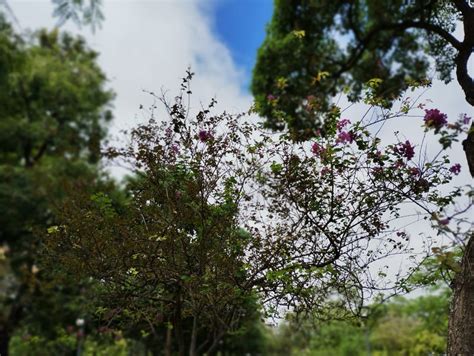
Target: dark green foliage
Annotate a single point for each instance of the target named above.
(316, 49)
(53, 115)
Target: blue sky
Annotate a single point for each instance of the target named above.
(241, 24)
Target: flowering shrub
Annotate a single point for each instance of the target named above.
(248, 214)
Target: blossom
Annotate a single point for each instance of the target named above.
(174, 148)
(317, 149)
(455, 169)
(342, 123)
(405, 149)
(435, 118)
(205, 135)
(465, 119)
(271, 97)
(344, 137)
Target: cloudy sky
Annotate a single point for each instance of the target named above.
(149, 44)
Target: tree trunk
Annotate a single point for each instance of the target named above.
(193, 343)
(461, 318)
(4, 341)
(168, 344)
(461, 315)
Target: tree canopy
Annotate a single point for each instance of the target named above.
(315, 50)
(53, 117)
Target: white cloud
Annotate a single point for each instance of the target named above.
(147, 45)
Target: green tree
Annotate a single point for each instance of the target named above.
(52, 120)
(316, 49)
(81, 12)
(172, 259)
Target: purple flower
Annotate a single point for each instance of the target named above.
(455, 169)
(317, 149)
(344, 137)
(174, 148)
(405, 149)
(465, 119)
(271, 97)
(205, 135)
(342, 123)
(435, 118)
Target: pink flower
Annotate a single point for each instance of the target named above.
(342, 123)
(435, 119)
(205, 135)
(455, 169)
(271, 97)
(344, 137)
(405, 149)
(317, 149)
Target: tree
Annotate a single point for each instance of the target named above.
(173, 256)
(415, 326)
(316, 49)
(81, 12)
(224, 212)
(52, 121)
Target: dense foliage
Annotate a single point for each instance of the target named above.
(314, 50)
(54, 108)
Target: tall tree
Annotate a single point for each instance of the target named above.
(317, 49)
(314, 50)
(52, 119)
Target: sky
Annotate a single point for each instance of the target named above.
(146, 45)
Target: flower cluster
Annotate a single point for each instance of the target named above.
(205, 136)
(344, 137)
(465, 119)
(435, 119)
(455, 169)
(342, 123)
(317, 149)
(405, 149)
